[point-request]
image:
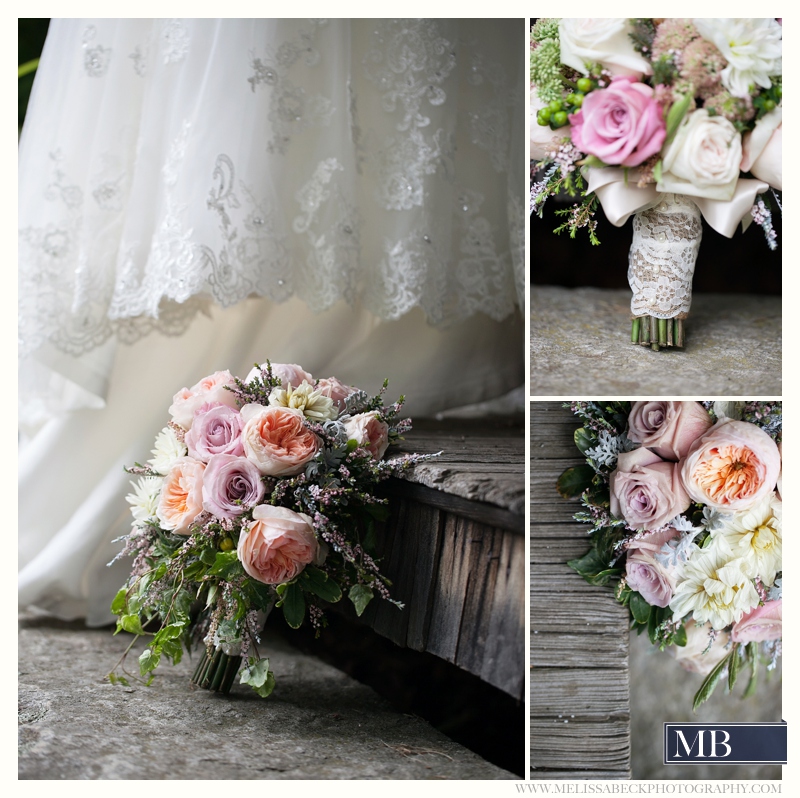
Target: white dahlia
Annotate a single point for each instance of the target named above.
(313, 404)
(167, 450)
(144, 499)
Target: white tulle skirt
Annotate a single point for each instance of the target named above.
(204, 194)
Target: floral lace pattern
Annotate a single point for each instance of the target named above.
(666, 240)
(380, 207)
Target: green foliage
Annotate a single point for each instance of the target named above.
(258, 675)
(676, 114)
(360, 595)
(575, 481)
(318, 582)
(294, 605)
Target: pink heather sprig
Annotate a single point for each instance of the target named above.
(566, 157)
(180, 432)
(763, 218)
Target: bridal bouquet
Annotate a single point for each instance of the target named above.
(684, 499)
(665, 120)
(260, 493)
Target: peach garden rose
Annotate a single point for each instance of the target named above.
(278, 544)
(731, 467)
(181, 498)
(276, 440)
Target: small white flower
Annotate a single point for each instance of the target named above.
(715, 588)
(168, 450)
(752, 47)
(144, 499)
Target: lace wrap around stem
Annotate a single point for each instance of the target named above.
(666, 240)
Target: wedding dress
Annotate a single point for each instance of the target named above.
(202, 194)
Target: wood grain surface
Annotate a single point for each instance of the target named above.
(454, 550)
(580, 708)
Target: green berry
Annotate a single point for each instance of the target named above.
(578, 101)
(779, 92)
(560, 118)
(555, 105)
(585, 85)
(769, 105)
(226, 544)
(543, 116)
(570, 99)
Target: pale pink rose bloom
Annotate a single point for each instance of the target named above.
(370, 432)
(668, 428)
(278, 545)
(209, 390)
(276, 440)
(646, 491)
(621, 125)
(655, 582)
(732, 467)
(335, 390)
(691, 657)
(762, 623)
(762, 150)
(181, 499)
(287, 373)
(216, 429)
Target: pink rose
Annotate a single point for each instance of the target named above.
(693, 656)
(276, 440)
(278, 545)
(231, 485)
(645, 574)
(370, 432)
(732, 466)
(181, 499)
(216, 429)
(668, 428)
(646, 491)
(762, 623)
(210, 389)
(287, 373)
(335, 390)
(621, 125)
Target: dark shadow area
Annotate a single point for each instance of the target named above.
(458, 704)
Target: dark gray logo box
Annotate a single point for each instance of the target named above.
(725, 743)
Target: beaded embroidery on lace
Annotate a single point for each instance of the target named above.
(452, 260)
(666, 240)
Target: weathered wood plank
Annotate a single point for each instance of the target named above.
(505, 639)
(579, 638)
(565, 649)
(597, 693)
(451, 588)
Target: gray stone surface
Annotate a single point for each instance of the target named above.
(662, 691)
(580, 345)
(318, 724)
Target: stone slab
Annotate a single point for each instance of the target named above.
(580, 346)
(318, 724)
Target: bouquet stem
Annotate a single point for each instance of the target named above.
(655, 333)
(216, 672)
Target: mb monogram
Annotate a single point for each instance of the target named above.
(728, 743)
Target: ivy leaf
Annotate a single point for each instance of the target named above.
(131, 623)
(120, 601)
(226, 564)
(258, 675)
(575, 481)
(208, 555)
(710, 682)
(639, 607)
(593, 567)
(148, 661)
(318, 582)
(679, 638)
(360, 595)
(294, 605)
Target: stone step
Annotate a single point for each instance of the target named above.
(580, 346)
(318, 723)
